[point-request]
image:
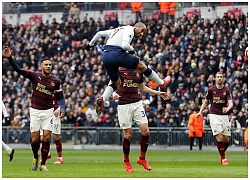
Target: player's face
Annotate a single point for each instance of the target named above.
(219, 79)
(139, 32)
(46, 67)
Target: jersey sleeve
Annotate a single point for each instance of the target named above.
(99, 34)
(127, 38)
(209, 94)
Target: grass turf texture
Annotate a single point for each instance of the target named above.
(109, 164)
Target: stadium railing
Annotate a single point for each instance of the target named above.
(169, 136)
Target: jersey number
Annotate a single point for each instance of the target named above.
(115, 31)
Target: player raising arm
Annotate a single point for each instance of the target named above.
(220, 98)
(44, 84)
(118, 53)
(130, 109)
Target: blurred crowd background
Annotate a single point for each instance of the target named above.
(191, 49)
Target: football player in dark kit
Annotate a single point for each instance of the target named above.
(220, 99)
(44, 84)
(130, 109)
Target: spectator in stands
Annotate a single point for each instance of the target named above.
(136, 8)
(74, 10)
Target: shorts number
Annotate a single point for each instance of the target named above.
(56, 126)
(143, 113)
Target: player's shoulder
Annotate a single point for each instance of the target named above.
(212, 88)
(55, 78)
(128, 27)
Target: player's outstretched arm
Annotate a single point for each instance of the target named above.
(13, 63)
(148, 90)
(96, 37)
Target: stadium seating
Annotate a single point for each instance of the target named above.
(191, 12)
(35, 18)
(226, 3)
(108, 15)
(123, 5)
(3, 19)
(235, 11)
(156, 14)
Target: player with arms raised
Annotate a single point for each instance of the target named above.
(44, 84)
(130, 109)
(220, 98)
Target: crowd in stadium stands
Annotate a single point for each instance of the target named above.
(190, 50)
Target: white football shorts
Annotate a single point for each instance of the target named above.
(41, 119)
(220, 124)
(56, 125)
(128, 113)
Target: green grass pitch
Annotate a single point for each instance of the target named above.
(109, 164)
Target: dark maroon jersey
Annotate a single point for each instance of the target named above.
(218, 98)
(130, 79)
(43, 89)
(55, 102)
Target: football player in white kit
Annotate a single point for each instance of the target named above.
(119, 53)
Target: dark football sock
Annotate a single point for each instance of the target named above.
(45, 151)
(144, 146)
(35, 148)
(59, 148)
(126, 149)
(220, 147)
(226, 146)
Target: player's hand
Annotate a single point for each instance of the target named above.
(6, 119)
(115, 96)
(163, 95)
(131, 52)
(198, 114)
(57, 112)
(87, 47)
(7, 52)
(62, 114)
(225, 109)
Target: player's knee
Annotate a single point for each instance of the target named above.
(35, 140)
(46, 138)
(56, 137)
(145, 132)
(128, 136)
(117, 83)
(142, 66)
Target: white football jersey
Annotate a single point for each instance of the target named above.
(121, 36)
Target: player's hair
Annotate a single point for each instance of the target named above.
(140, 24)
(45, 59)
(220, 73)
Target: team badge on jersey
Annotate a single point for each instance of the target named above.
(52, 84)
(137, 74)
(224, 93)
(39, 78)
